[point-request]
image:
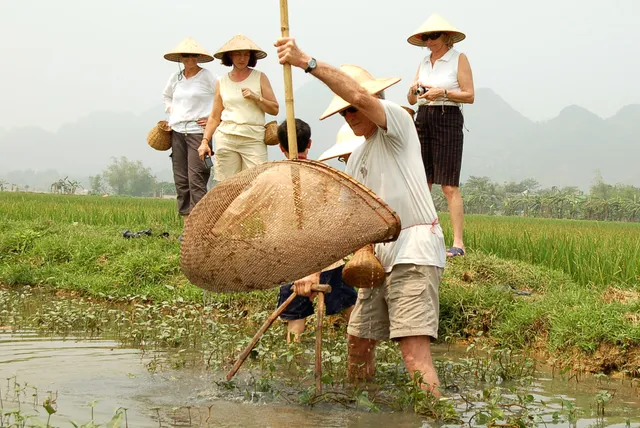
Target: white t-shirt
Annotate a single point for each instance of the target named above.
(390, 164)
(190, 99)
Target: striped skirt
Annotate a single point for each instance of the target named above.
(440, 132)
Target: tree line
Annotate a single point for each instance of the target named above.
(131, 178)
(527, 198)
(481, 195)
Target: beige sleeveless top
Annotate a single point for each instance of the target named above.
(241, 116)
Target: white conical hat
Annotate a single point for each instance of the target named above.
(240, 43)
(346, 143)
(435, 23)
(188, 46)
(366, 80)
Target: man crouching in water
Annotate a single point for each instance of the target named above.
(406, 307)
(342, 296)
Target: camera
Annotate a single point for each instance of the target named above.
(208, 162)
(421, 90)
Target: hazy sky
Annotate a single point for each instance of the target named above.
(64, 59)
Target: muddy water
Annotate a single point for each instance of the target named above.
(83, 371)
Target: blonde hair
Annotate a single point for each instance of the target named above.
(448, 39)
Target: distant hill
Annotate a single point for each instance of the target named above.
(499, 142)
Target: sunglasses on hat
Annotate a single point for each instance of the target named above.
(431, 36)
(188, 55)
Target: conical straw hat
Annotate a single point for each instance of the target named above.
(190, 46)
(240, 43)
(346, 143)
(366, 80)
(434, 24)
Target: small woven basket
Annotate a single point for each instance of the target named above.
(160, 136)
(364, 269)
(271, 133)
(409, 110)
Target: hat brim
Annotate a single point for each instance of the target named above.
(341, 149)
(373, 87)
(416, 38)
(259, 54)
(175, 57)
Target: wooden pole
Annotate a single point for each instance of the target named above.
(288, 86)
(322, 288)
(319, 315)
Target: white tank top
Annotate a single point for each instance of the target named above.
(241, 116)
(443, 74)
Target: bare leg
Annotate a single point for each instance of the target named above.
(360, 358)
(295, 328)
(416, 353)
(456, 211)
(347, 313)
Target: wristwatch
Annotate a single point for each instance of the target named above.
(311, 65)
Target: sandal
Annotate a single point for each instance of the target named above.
(454, 252)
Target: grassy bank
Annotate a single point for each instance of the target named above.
(565, 289)
(590, 252)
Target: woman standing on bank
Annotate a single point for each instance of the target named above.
(188, 97)
(237, 119)
(442, 84)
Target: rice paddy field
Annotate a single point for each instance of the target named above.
(590, 252)
(530, 292)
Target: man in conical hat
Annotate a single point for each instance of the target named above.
(346, 143)
(342, 297)
(405, 308)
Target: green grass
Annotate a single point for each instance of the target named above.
(590, 252)
(126, 212)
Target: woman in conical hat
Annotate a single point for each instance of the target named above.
(188, 98)
(442, 84)
(237, 119)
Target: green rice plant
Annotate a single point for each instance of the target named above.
(591, 252)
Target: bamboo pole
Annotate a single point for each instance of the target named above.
(288, 85)
(322, 288)
(319, 315)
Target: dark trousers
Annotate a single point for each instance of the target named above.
(190, 174)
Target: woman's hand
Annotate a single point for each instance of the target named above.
(414, 87)
(248, 93)
(203, 121)
(204, 149)
(433, 93)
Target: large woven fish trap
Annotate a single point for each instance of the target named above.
(277, 222)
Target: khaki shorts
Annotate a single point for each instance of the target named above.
(405, 305)
(234, 153)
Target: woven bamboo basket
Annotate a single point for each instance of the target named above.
(409, 110)
(160, 136)
(364, 269)
(271, 133)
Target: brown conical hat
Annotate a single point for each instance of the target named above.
(240, 42)
(189, 46)
(434, 24)
(366, 80)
